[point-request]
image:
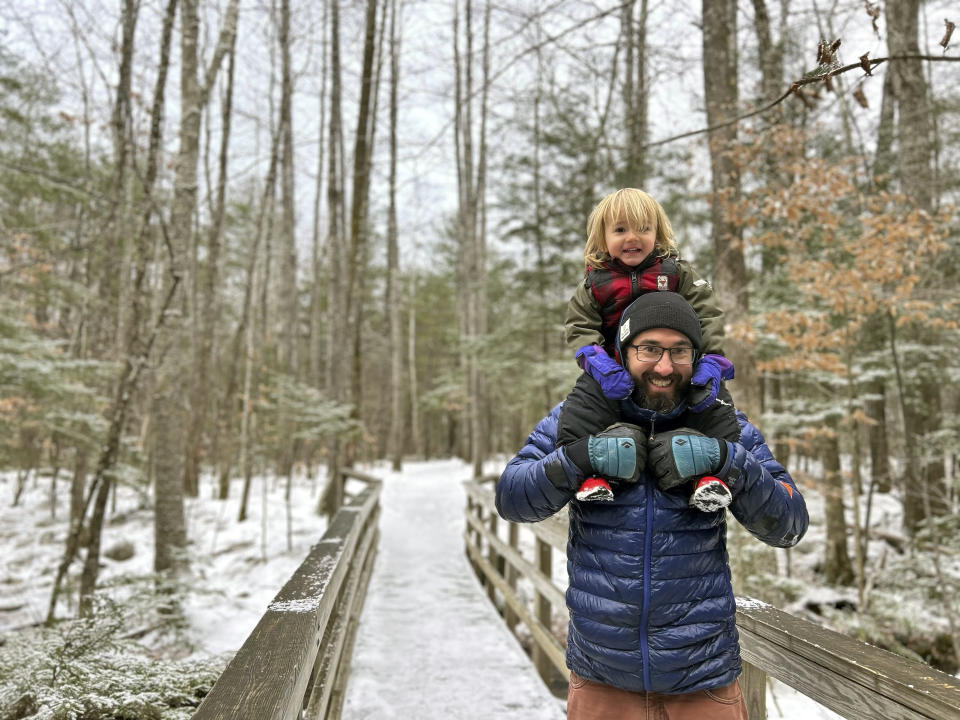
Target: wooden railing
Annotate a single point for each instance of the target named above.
(296, 661)
(855, 680)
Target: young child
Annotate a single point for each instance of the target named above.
(631, 250)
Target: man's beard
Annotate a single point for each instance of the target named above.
(662, 402)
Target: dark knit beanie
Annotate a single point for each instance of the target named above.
(660, 310)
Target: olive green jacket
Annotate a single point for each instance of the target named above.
(584, 321)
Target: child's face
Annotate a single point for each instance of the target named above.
(629, 245)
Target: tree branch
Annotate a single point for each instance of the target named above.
(865, 64)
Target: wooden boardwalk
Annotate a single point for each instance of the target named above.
(429, 643)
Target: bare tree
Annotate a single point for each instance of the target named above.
(396, 431)
(913, 107)
(288, 249)
(721, 91)
(336, 376)
(139, 344)
(200, 393)
(315, 345)
(923, 475)
(471, 222)
(359, 231)
(172, 387)
(635, 91)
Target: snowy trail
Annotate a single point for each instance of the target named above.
(429, 644)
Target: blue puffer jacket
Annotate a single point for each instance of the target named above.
(650, 600)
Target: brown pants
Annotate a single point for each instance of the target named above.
(588, 700)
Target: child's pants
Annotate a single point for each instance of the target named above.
(588, 700)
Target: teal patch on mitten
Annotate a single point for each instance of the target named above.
(695, 455)
(614, 457)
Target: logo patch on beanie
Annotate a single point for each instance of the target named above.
(662, 282)
(625, 330)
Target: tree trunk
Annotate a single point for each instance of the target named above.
(359, 231)
(201, 389)
(111, 277)
(395, 445)
(635, 91)
(471, 182)
(884, 158)
(875, 408)
(913, 110)
(416, 440)
(287, 281)
(315, 345)
(730, 273)
(138, 347)
(170, 534)
(837, 569)
(336, 380)
(228, 425)
(771, 55)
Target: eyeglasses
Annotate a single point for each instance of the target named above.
(683, 355)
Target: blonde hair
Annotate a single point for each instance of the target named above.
(636, 208)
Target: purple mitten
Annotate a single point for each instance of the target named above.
(615, 382)
(705, 383)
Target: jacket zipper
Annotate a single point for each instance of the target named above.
(634, 288)
(647, 552)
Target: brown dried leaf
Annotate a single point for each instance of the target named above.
(860, 97)
(946, 36)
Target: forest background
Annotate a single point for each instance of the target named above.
(242, 238)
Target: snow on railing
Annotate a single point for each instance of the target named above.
(856, 680)
(296, 661)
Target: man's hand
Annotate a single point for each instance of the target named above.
(678, 455)
(705, 383)
(619, 452)
(615, 382)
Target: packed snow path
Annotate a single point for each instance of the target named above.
(429, 643)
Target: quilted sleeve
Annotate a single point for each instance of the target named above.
(766, 501)
(540, 479)
(584, 322)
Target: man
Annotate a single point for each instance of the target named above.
(652, 632)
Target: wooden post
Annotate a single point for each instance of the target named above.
(493, 556)
(542, 609)
(511, 616)
(753, 683)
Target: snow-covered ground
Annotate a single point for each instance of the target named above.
(429, 645)
(236, 568)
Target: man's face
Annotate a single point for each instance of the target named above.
(660, 384)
